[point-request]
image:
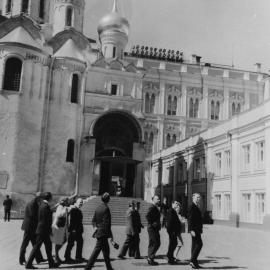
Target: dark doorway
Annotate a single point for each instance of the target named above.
(115, 134)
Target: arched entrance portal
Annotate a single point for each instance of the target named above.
(117, 134)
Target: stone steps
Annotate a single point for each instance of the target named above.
(118, 207)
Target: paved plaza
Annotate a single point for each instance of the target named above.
(224, 248)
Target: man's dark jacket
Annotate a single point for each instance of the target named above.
(153, 218)
(137, 222)
(195, 222)
(102, 221)
(76, 220)
(31, 216)
(173, 222)
(7, 204)
(130, 228)
(44, 219)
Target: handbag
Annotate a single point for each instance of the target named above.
(61, 221)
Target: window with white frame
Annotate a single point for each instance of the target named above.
(114, 89)
(246, 207)
(260, 155)
(227, 205)
(197, 169)
(217, 206)
(259, 207)
(227, 162)
(246, 157)
(218, 164)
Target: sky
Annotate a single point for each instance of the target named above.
(221, 31)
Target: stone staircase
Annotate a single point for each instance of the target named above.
(118, 207)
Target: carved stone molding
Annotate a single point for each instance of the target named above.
(152, 87)
(216, 94)
(63, 64)
(235, 96)
(173, 89)
(195, 91)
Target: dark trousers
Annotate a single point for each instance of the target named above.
(72, 237)
(40, 239)
(7, 215)
(101, 245)
(128, 244)
(154, 242)
(136, 246)
(196, 247)
(172, 245)
(27, 237)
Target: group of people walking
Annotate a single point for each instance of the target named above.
(41, 227)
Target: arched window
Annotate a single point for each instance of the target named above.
(13, 70)
(151, 140)
(25, 4)
(70, 151)
(238, 110)
(217, 110)
(168, 140)
(147, 103)
(8, 6)
(174, 106)
(74, 88)
(169, 106)
(42, 9)
(69, 14)
(196, 108)
(152, 103)
(212, 110)
(173, 139)
(233, 109)
(191, 107)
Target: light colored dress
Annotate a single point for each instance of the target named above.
(59, 234)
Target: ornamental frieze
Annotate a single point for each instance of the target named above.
(150, 127)
(37, 59)
(173, 89)
(235, 96)
(151, 86)
(195, 91)
(63, 64)
(217, 94)
(79, 3)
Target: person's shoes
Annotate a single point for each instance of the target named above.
(54, 265)
(80, 260)
(41, 261)
(198, 266)
(193, 265)
(30, 267)
(137, 257)
(172, 262)
(121, 257)
(22, 261)
(151, 262)
(70, 261)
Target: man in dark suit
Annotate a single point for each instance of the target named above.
(29, 226)
(43, 232)
(135, 248)
(173, 229)
(153, 228)
(75, 231)
(102, 225)
(130, 231)
(7, 208)
(195, 226)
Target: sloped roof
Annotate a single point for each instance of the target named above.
(20, 35)
(116, 64)
(70, 49)
(61, 38)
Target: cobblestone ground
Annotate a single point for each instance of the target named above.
(224, 248)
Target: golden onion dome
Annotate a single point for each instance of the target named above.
(114, 21)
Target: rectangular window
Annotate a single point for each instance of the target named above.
(227, 157)
(218, 164)
(114, 88)
(217, 206)
(203, 168)
(260, 155)
(246, 207)
(180, 173)
(114, 52)
(197, 169)
(246, 157)
(227, 206)
(260, 207)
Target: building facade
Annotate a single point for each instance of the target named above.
(79, 116)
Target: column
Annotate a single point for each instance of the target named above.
(204, 109)
(266, 220)
(175, 176)
(247, 102)
(2, 73)
(226, 104)
(235, 158)
(162, 95)
(184, 101)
